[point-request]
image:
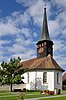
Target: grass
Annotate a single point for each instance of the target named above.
(37, 95)
(8, 98)
(13, 96)
(5, 95)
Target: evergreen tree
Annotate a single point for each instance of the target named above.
(9, 73)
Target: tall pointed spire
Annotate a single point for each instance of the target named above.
(45, 32)
(44, 45)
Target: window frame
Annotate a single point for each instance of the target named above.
(44, 77)
(58, 78)
(27, 77)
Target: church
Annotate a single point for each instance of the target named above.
(43, 71)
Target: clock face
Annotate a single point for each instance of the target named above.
(41, 50)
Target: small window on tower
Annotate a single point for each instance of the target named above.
(39, 45)
(42, 44)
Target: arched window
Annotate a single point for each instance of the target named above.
(58, 78)
(44, 77)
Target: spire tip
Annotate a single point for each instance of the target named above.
(44, 3)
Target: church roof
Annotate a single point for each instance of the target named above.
(46, 63)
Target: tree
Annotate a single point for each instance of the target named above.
(9, 73)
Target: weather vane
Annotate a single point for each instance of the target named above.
(44, 3)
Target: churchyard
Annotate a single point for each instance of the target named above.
(6, 95)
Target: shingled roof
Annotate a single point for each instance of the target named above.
(41, 64)
(64, 77)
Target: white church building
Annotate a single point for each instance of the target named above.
(43, 72)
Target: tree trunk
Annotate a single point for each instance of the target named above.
(11, 87)
(11, 83)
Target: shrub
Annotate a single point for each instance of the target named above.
(22, 96)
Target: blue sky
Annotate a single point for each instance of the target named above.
(21, 25)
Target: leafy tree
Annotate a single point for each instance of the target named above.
(9, 73)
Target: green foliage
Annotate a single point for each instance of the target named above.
(9, 73)
(22, 96)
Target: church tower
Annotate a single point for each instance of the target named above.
(44, 45)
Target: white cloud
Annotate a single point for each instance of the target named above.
(36, 12)
(35, 9)
(26, 2)
(20, 19)
(61, 60)
(61, 18)
(26, 32)
(58, 45)
(16, 48)
(2, 42)
(15, 24)
(25, 56)
(64, 32)
(61, 2)
(54, 28)
(35, 34)
(7, 29)
(1, 57)
(2, 48)
(1, 53)
(24, 42)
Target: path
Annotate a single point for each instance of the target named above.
(45, 97)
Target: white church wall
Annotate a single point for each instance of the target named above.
(49, 85)
(50, 80)
(25, 77)
(36, 80)
(39, 80)
(32, 76)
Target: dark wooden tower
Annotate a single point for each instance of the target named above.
(44, 45)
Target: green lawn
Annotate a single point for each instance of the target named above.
(5, 95)
(35, 95)
(14, 96)
(8, 98)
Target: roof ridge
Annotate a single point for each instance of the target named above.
(37, 61)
